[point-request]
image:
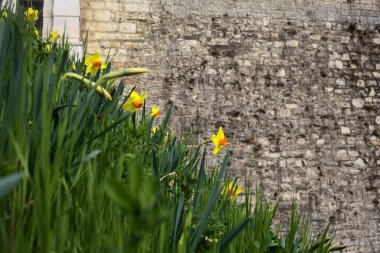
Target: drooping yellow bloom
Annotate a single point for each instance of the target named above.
(54, 36)
(94, 63)
(31, 14)
(48, 48)
(231, 192)
(155, 111)
(36, 32)
(134, 102)
(4, 14)
(154, 129)
(219, 140)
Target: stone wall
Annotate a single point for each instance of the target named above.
(295, 84)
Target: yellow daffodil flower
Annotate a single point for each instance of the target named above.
(229, 192)
(155, 111)
(134, 102)
(54, 36)
(36, 32)
(31, 14)
(74, 67)
(48, 48)
(4, 14)
(154, 129)
(94, 63)
(219, 140)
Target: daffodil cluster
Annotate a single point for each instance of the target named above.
(46, 44)
(31, 14)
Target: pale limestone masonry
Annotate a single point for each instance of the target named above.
(63, 16)
(295, 84)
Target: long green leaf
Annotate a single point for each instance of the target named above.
(210, 204)
(201, 179)
(232, 234)
(178, 217)
(167, 117)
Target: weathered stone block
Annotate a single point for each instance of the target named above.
(131, 7)
(341, 153)
(375, 140)
(377, 120)
(345, 130)
(376, 41)
(102, 15)
(292, 43)
(127, 27)
(358, 102)
(341, 82)
(338, 64)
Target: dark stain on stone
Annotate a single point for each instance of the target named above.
(235, 113)
(320, 174)
(223, 51)
(191, 37)
(249, 140)
(323, 72)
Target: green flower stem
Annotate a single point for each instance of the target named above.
(204, 143)
(110, 76)
(99, 89)
(120, 73)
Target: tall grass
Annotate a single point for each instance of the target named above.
(79, 174)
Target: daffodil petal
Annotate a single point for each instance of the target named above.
(238, 190)
(216, 150)
(129, 106)
(133, 94)
(94, 71)
(215, 140)
(220, 133)
(87, 60)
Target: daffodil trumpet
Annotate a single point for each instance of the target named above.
(99, 89)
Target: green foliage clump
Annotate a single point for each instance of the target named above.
(80, 174)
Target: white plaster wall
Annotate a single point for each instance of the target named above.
(63, 15)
